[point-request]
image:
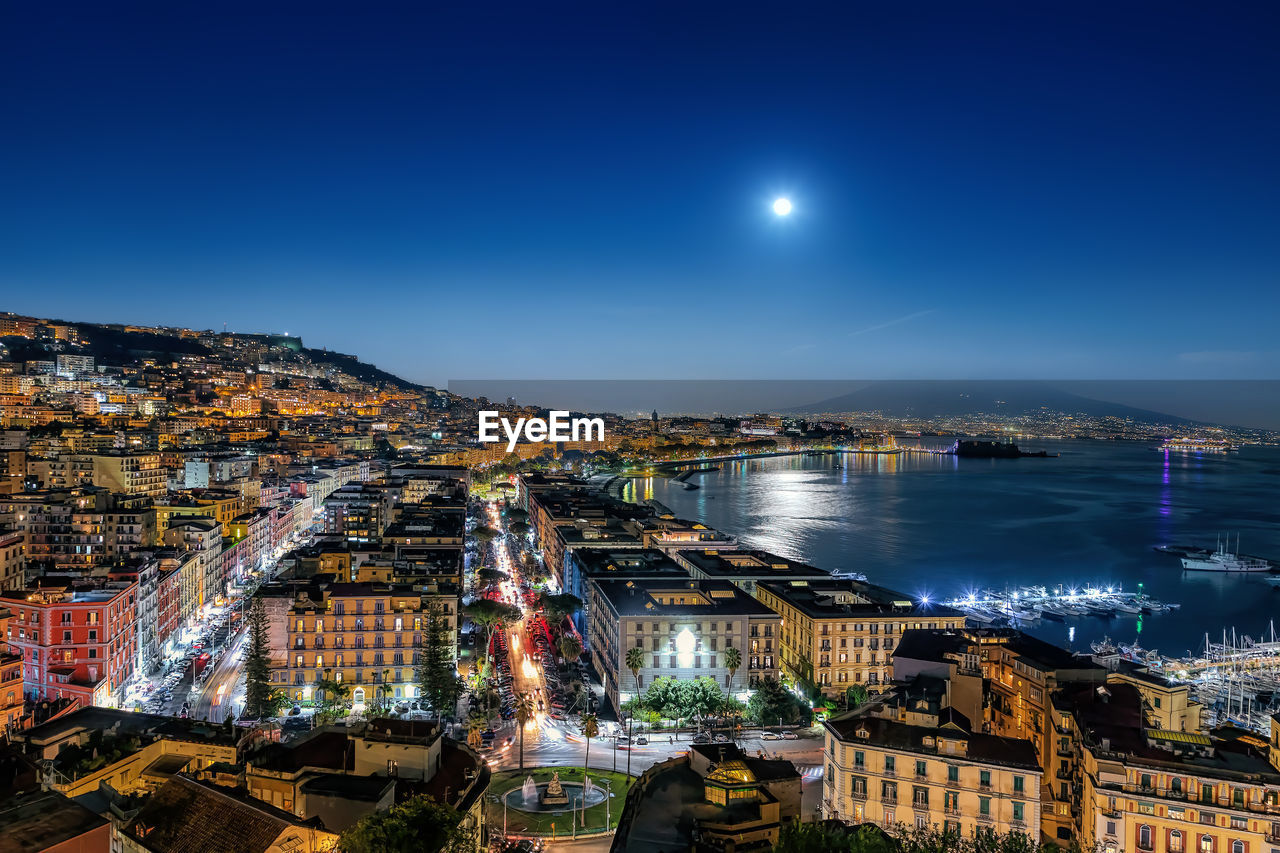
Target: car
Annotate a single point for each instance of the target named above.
(769, 736)
(701, 737)
(642, 741)
(720, 739)
(790, 736)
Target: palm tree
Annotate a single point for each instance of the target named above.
(635, 660)
(383, 689)
(589, 729)
(476, 723)
(330, 692)
(732, 660)
(570, 647)
(525, 710)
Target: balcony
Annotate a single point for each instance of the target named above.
(889, 771)
(890, 800)
(859, 795)
(984, 818)
(954, 811)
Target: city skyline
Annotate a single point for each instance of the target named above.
(1103, 211)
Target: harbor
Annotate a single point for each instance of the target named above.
(1031, 604)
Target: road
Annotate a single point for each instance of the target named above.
(223, 690)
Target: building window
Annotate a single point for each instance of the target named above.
(1206, 844)
(859, 759)
(984, 806)
(1237, 847)
(1017, 812)
(890, 765)
(984, 779)
(922, 768)
(1144, 837)
(1175, 841)
(1017, 784)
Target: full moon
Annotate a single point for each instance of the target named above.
(782, 206)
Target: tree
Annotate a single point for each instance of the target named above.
(420, 823)
(732, 660)
(635, 661)
(519, 528)
(437, 669)
(798, 837)
(856, 696)
(484, 533)
(382, 694)
(476, 723)
(680, 699)
(330, 694)
(525, 710)
(590, 728)
(772, 702)
(490, 614)
(491, 576)
(557, 607)
(261, 699)
(570, 647)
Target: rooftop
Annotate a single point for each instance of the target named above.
(672, 598)
(39, 820)
(185, 815)
(755, 564)
(891, 734)
(832, 599)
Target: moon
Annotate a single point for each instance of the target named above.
(782, 206)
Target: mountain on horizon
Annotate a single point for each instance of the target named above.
(954, 398)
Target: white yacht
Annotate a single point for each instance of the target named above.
(1224, 560)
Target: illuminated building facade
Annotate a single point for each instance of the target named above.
(841, 633)
(684, 628)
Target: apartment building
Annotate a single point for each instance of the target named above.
(1136, 788)
(684, 628)
(11, 694)
(201, 536)
(584, 566)
(366, 635)
(80, 527)
(218, 504)
(894, 773)
(76, 641)
(745, 567)
(13, 559)
(359, 513)
(841, 633)
(130, 473)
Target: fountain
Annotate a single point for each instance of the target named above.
(553, 794)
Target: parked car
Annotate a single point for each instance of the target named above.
(790, 736)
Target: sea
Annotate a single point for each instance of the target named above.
(938, 526)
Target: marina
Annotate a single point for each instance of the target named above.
(1031, 604)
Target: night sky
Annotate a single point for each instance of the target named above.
(1071, 190)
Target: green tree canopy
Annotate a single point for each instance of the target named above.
(772, 702)
(261, 699)
(418, 824)
(557, 607)
(683, 699)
